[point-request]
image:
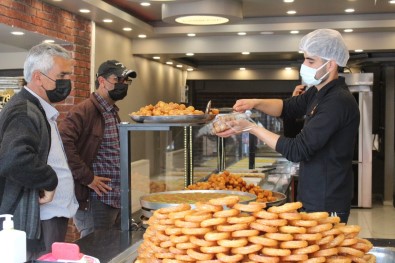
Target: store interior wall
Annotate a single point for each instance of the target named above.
(12, 60)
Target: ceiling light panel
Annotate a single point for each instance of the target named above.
(349, 10)
(204, 12)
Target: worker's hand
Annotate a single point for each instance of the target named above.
(46, 196)
(300, 89)
(226, 133)
(237, 126)
(99, 185)
(244, 104)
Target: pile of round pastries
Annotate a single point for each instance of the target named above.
(169, 109)
(249, 233)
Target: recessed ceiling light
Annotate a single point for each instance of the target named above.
(200, 13)
(242, 33)
(349, 10)
(267, 33)
(127, 29)
(291, 12)
(288, 1)
(179, 66)
(142, 36)
(189, 54)
(85, 11)
(191, 34)
(294, 32)
(190, 69)
(348, 30)
(391, 2)
(169, 63)
(358, 50)
(145, 4)
(107, 20)
(242, 68)
(17, 33)
(49, 41)
(156, 57)
(202, 20)
(288, 68)
(245, 53)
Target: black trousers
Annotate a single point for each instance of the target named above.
(52, 230)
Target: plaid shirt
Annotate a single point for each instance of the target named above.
(107, 161)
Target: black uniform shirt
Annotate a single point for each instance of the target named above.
(324, 147)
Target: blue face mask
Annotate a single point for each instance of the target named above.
(308, 75)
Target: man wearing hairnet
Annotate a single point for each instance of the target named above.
(324, 147)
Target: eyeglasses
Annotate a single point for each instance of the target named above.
(60, 76)
(119, 80)
(48, 77)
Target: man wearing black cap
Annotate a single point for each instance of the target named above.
(91, 141)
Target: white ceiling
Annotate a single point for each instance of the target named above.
(373, 23)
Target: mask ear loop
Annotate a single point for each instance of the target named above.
(323, 65)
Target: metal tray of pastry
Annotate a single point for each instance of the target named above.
(147, 212)
(199, 118)
(281, 199)
(145, 203)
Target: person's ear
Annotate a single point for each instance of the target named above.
(332, 65)
(36, 76)
(100, 79)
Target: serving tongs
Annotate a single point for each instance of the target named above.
(208, 108)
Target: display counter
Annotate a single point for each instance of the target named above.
(121, 246)
(178, 153)
(111, 246)
(197, 157)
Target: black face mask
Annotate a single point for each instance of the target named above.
(119, 92)
(61, 91)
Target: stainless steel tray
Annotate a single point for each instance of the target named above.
(383, 254)
(281, 199)
(147, 212)
(201, 118)
(156, 205)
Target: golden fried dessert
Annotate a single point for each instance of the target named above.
(167, 109)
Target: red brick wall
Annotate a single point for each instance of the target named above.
(40, 17)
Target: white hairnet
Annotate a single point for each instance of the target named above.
(327, 44)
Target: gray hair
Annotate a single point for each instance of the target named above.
(40, 57)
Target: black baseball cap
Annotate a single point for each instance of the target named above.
(117, 68)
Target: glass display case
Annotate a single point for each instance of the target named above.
(157, 157)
